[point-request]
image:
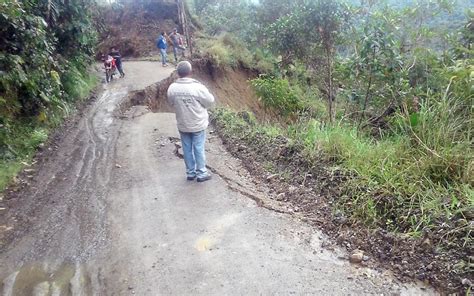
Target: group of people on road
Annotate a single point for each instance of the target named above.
(174, 38)
(177, 42)
(190, 100)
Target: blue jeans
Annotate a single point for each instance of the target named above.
(163, 56)
(194, 155)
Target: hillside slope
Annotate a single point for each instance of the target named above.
(133, 27)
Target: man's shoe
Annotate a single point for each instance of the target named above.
(191, 178)
(204, 179)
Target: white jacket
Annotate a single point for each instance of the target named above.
(190, 100)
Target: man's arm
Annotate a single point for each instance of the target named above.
(169, 39)
(205, 97)
(169, 97)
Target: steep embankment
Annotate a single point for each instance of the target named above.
(134, 27)
(230, 87)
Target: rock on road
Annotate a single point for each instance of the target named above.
(111, 213)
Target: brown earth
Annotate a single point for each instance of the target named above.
(229, 86)
(134, 28)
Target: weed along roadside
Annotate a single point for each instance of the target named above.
(300, 164)
(31, 136)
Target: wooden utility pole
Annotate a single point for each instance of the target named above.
(183, 21)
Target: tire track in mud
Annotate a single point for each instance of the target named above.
(77, 187)
(59, 218)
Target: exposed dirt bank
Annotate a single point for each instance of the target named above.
(134, 27)
(230, 87)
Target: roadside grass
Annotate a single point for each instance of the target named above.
(399, 185)
(19, 149)
(417, 175)
(226, 50)
(21, 139)
(78, 84)
(395, 187)
(8, 169)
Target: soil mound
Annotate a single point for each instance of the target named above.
(133, 27)
(230, 87)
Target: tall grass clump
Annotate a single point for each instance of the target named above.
(226, 50)
(410, 180)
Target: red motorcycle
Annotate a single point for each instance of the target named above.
(110, 68)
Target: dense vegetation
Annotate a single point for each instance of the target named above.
(384, 91)
(45, 47)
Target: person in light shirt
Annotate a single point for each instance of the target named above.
(190, 100)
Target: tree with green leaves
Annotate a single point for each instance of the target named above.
(311, 34)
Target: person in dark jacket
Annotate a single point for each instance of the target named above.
(162, 45)
(118, 60)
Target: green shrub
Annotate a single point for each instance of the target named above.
(45, 51)
(398, 185)
(77, 81)
(264, 61)
(276, 94)
(227, 50)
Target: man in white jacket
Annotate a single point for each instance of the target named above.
(190, 100)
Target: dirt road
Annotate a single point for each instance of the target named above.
(109, 212)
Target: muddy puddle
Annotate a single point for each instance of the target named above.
(47, 279)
